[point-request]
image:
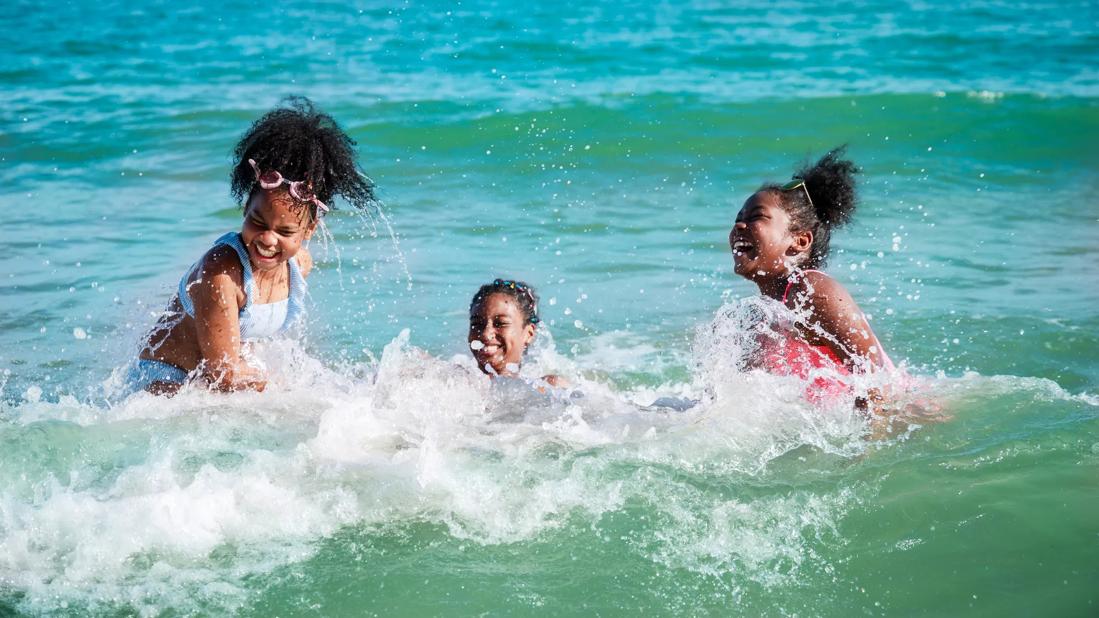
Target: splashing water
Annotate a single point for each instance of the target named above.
(183, 502)
(600, 152)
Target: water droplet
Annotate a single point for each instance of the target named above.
(33, 394)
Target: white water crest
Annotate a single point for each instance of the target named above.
(157, 502)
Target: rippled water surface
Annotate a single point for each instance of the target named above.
(600, 152)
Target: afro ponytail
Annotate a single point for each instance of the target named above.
(827, 202)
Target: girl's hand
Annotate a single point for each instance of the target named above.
(217, 297)
(889, 418)
(241, 378)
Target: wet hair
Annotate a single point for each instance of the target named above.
(302, 143)
(522, 292)
(827, 202)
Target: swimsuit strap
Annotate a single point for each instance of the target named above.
(232, 239)
(295, 306)
(794, 279)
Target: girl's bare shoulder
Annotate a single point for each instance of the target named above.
(822, 290)
(219, 267)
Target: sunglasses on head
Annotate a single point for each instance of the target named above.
(272, 179)
(794, 184)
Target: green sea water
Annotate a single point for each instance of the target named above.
(599, 151)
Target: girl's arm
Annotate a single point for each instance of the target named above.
(216, 296)
(837, 313)
(834, 311)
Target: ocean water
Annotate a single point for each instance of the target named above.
(599, 151)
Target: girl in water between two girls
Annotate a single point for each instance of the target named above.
(251, 284)
(503, 322)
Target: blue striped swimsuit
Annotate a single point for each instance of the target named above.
(257, 321)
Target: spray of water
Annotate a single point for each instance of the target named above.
(175, 502)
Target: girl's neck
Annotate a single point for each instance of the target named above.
(503, 373)
(775, 286)
(270, 277)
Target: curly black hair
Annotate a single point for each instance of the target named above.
(827, 202)
(522, 292)
(302, 143)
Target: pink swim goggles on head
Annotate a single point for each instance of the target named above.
(272, 179)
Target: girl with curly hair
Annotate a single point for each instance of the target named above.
(251, 284)
(779, 242)
(503, 322)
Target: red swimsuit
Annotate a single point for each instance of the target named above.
(794, 356)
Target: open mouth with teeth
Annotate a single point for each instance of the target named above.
(485, 350)
(488, 355)
(742, 247)
(265, 255)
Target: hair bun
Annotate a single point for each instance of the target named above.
(830, 184)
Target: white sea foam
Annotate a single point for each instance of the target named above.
(171, 502)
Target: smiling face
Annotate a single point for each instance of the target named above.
(762, 242)
(275, 226)
(499, 334)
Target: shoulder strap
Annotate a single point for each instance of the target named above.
(795, 278)
(295, 306)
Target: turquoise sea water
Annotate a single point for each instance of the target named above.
(601, 153)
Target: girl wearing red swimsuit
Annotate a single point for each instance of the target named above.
(780, 239)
